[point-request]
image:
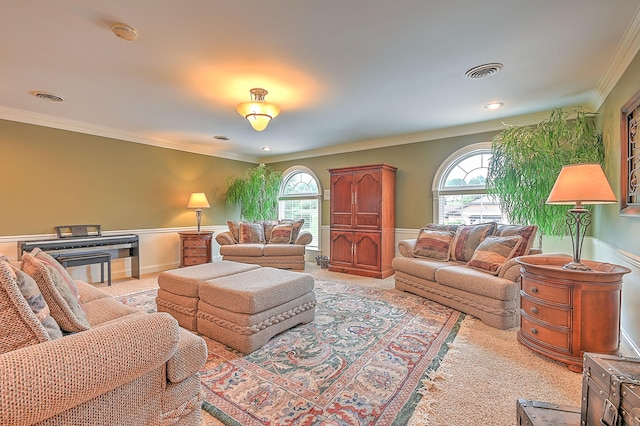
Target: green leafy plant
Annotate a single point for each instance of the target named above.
(526, 161)
(256, 191)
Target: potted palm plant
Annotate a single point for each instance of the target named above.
(256, 191)
(526, 161)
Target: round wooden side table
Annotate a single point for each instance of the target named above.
(565, 313)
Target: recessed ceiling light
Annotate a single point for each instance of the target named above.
(494, 105)
(484, 71)
(48, 96)
(221, 138)
(266, 148)
(124, 31)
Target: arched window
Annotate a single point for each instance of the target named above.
(459, 190)
(300, 199)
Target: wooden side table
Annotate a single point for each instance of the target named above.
(195, 248)
(565, 313)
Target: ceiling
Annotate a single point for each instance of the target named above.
(347, 75)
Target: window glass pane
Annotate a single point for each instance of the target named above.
(306, 209)
(469, 209)
(300, 200)
(468, 172)
(300, 183)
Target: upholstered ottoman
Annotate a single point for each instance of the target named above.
(179, 288)
(245, 310)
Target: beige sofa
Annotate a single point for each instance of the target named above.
(126, 367)
(278, 244)
(468, 268)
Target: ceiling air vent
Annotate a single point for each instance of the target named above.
(483, 71)
(48, 96)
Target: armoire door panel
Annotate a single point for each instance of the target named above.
(341, 248)
(367, 251)
(342, 199)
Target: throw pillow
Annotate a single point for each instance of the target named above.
(296, 227)
(234, 228)
(468, 238)
(493, 252)
(250, 233)
(281, 234)
(32, 294)
(61, 298)
(442, 227)
(527, 233)
(268, 226)
(433, 244)
(20, 326)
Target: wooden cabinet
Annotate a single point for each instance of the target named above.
(363, 220)
(565, 313)
(195, 248)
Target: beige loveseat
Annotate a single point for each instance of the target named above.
(468, 268)
(275, 243)
(114, 365)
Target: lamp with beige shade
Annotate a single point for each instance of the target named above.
(198, 201)
(580, 184)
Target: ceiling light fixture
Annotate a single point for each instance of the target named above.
(257, 111)
(124, 31)
(494, 105)
(266, 148)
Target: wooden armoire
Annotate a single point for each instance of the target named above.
(363, 220)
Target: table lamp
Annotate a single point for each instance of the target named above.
(198, 201)
(580, 184)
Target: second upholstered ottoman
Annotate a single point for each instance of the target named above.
(179, 288)
(245, 310)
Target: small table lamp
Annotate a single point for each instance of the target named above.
(198, 201)
(580, 184)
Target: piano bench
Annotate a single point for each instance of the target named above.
(79, 259)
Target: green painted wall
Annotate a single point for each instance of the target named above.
(621, 232)
(417, 163)
(55, 177)
(610, 226)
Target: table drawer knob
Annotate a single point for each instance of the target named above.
(534, 310)
(534, 289)
(534, 331)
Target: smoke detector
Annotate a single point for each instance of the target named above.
(48, 96)
(124, 31)
(484, 71)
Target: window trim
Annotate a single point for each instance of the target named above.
(450, 162)
(302, 169)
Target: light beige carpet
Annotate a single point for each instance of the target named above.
(481, 377)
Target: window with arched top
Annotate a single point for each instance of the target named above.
(459, 188)
(300, 199)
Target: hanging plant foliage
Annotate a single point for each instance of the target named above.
(526, 161)
(256, 191)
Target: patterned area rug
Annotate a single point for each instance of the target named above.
(362, 361)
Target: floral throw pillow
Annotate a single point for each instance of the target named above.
(527, 233)
(234, 228)
(20, 325)
(433, 244)
(62, 299)
(296, 226)
(281, 234)
(493, 252)
(468, 238)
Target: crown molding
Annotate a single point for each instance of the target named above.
(622, 57)
(429, 135)
(54, 122)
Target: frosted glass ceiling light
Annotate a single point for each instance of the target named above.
(258, 111)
